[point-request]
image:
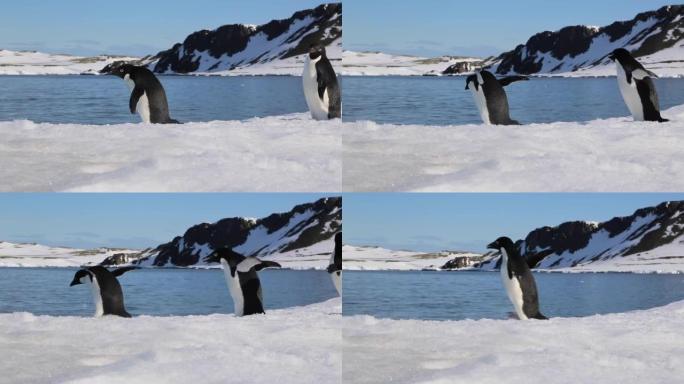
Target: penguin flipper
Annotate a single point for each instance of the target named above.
(135, 96)
(504, 81)
(649, 99)
(121, 271)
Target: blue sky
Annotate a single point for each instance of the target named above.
(128, 27)
(127, 220)
(431, 222)
(478, 28)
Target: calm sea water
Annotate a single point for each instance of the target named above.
(475, 295)
(444, 100)
(104, 99)
(160, 292)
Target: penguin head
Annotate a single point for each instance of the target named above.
(79, 276)
(228, 258)
(123, 70)
(316, 51)
(502, 242)
(471, 79)
(620, 55)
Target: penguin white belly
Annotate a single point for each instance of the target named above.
(235, 289)
(513, 290)
(481, 102)
(143, 105)
(630, 94)
(143, 108)
(318, 107)
(97, 297)
(337, 281)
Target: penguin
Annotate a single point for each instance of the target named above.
(335, 266)
(636, 87)
(242, 279)
(321, 90)
(490, 96)
(148, 97)
(518, 280)
(107, 293)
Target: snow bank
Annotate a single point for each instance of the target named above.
(38, 63)
(294, 345)
(36, 255)
(634, 347)
(279, 153)
(383, 64)
(614, 154)
(378, 258)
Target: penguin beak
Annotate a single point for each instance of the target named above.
(493, 245)
(467, 86)
(74, 282)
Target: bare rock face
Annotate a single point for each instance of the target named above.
(580, 46)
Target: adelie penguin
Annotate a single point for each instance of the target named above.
(490, 96)
(636, 87)
(242, 279)
(321, 90)
(518, 280)
(148, 97)
(335, 266)
(106, 290)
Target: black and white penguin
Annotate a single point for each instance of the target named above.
(335, 266)
(107, 293)
(517, 280)
(321, 90)
(148, 97)
(243, 281)
(636, 87)
(490, 96)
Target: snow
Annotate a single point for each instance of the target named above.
(316, 256)
(38, 63)
(293, 345)
(633, 347)
(36, 255)
(261, 241)
(378, 258)
(383, 64)
(599, 155)
(279, 153)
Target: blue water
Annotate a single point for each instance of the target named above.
(476, 295)
(445, 101)
(104, 99)
(46, 291)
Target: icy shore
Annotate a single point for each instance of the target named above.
(633, 347)
(615, 154)
(279, 153)
(294, 345)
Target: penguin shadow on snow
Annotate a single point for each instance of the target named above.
(106, 290)
(148, 97)
(518, 280)
(490, 96)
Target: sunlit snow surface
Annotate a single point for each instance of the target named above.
(281, 153)
(615, 154)
(295, 345)
(634, 347)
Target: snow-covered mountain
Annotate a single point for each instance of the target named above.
(37, 255)
(384, 64)
(649, 240)
(38, 63)
(378, 258)
(277, 47)
(300, 238)
(654, 37)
